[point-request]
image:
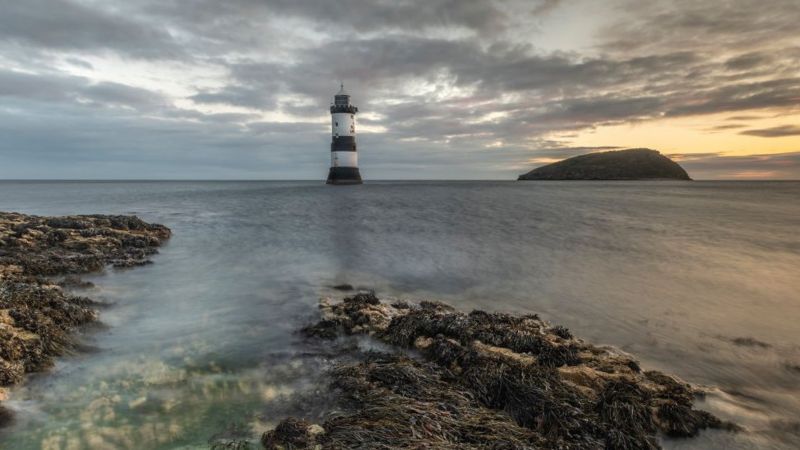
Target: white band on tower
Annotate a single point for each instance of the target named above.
(344, 159)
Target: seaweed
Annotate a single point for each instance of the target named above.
(625, 406)
(290, 433)
(403, 403)
(678, 420)
(324, 329)
(488, 380)
(562, 332)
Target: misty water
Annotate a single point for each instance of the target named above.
(698, 279)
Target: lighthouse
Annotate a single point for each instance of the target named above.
(344, 158)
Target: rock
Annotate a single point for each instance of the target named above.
(74, 281)
(10, 372)
(37, 316)
(324, 329)
(292, 433)
(631, 164)
(486, 380)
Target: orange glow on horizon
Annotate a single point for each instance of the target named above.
(687, 135)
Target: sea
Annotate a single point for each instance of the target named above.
(698, 279)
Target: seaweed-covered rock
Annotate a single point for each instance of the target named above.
(489, 380)
(403, 403)
(37, 316)
(292, 433)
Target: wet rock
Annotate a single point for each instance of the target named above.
(562, 332)
(37, 316)
(489, 380)
(292, 433)
(231, 445)
(324, 329)
(5, 417)
(74, 281)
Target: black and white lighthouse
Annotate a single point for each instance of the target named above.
(344, 158)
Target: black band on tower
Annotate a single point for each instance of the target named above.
(350, 109)
(343, 144)
(344, 175)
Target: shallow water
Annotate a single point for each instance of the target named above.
(699, 279)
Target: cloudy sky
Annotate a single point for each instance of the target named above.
(239, 89)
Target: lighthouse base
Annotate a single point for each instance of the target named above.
(344, 175)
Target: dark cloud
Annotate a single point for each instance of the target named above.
(748, 61)
(711, 25)
(600, 110)
(780, 93)
(60, 88)
(71, 25)
(238, 95)
(780, 131)
(725, 127)
(743, 118)
(368, 15)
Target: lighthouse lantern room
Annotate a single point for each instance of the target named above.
(344, 158)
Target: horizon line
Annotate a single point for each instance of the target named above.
(366, 181)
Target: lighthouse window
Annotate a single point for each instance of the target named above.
(337, 123)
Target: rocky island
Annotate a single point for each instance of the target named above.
(631, 164)
(453, 380)
(39, 257)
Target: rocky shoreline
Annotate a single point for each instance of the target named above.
(485, 380)
(39, 258)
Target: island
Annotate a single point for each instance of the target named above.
(630, 164)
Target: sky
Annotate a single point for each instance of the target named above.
(446, 89)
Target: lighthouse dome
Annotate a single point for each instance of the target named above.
(341, 102)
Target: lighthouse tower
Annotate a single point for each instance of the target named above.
(344, 159)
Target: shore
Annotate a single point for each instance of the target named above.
(485, 380)
(40, 258)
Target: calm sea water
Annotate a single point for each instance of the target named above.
(699, 279)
